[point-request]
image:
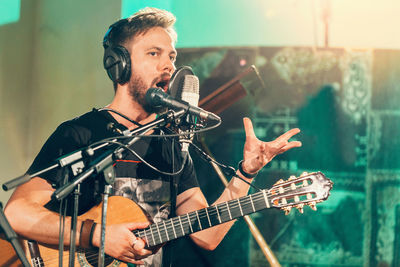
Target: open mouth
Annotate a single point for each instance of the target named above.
(163, 85)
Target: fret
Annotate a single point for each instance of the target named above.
(240, 207)
(252, 204)
(166, 231)
(158, 231)
(197, 214)
(266, 198)
(219, 217)
(208, 217)
(229, 211)
(151, 231)
(190, 223)
(173, 227)
(245, 204)
(142, 234)
(259, 201)
(213, 213)
(178, 226)
(234, 209)
(146, 239)
(180, 222)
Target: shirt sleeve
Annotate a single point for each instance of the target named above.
(64, 140)
(188, 177)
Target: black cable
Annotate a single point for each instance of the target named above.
(145, 162)
(155, 135)
(228, 170)
(120, 114)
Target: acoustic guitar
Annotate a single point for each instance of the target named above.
(308, 189)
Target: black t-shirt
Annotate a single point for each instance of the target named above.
(134, 179)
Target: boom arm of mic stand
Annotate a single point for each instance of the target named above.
(106, 159)
(273, 261)
(78, 155)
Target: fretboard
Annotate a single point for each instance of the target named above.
(192, 222)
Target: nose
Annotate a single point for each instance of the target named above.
(167, 65)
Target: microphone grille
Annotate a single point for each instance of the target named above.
(191, 84)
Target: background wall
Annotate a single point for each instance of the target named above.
(51, 70)
(343, 97)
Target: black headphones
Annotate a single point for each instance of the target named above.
(116, 61)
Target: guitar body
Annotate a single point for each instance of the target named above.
(120, 210)
(8, 257)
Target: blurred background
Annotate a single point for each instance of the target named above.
(329, 67)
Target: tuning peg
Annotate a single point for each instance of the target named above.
(292, 177)
(313, 205)
(279, 182)
(300, 208)
(303, 174)
(287, 210)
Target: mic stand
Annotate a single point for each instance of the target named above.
(266, 250)
(12, 237)
(109, 177)
(72, 242)
(104, 162)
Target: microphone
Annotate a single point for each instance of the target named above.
(190, 94)
(158, 98)
(184, 85)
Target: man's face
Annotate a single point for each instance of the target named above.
(153, 62)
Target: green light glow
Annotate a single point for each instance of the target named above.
(9, 11)
(213, 23)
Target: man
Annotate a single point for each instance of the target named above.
(149, 41)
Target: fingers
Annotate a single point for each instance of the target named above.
(137, 225)
(289, 134)
(131, 260)
(139, 250)
(248, 127)
(291, 145)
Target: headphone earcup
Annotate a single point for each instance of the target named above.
(117, 63)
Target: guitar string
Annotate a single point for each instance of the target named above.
(170, 224)
(259, 196)
(175, 226)
(161, 231)
(234, 204)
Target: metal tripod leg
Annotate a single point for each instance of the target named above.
(273, 261)
(109, 177)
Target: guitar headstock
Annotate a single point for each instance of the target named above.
(307, 189)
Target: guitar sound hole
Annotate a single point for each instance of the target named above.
(91, 257)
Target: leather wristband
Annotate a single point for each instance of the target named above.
(87, 229)
(91, 235)
(245, 174)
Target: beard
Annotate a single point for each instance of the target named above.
(137, 92)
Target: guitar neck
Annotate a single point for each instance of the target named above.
(198, 220)
(308, 189)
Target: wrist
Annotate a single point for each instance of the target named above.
(244, 173)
